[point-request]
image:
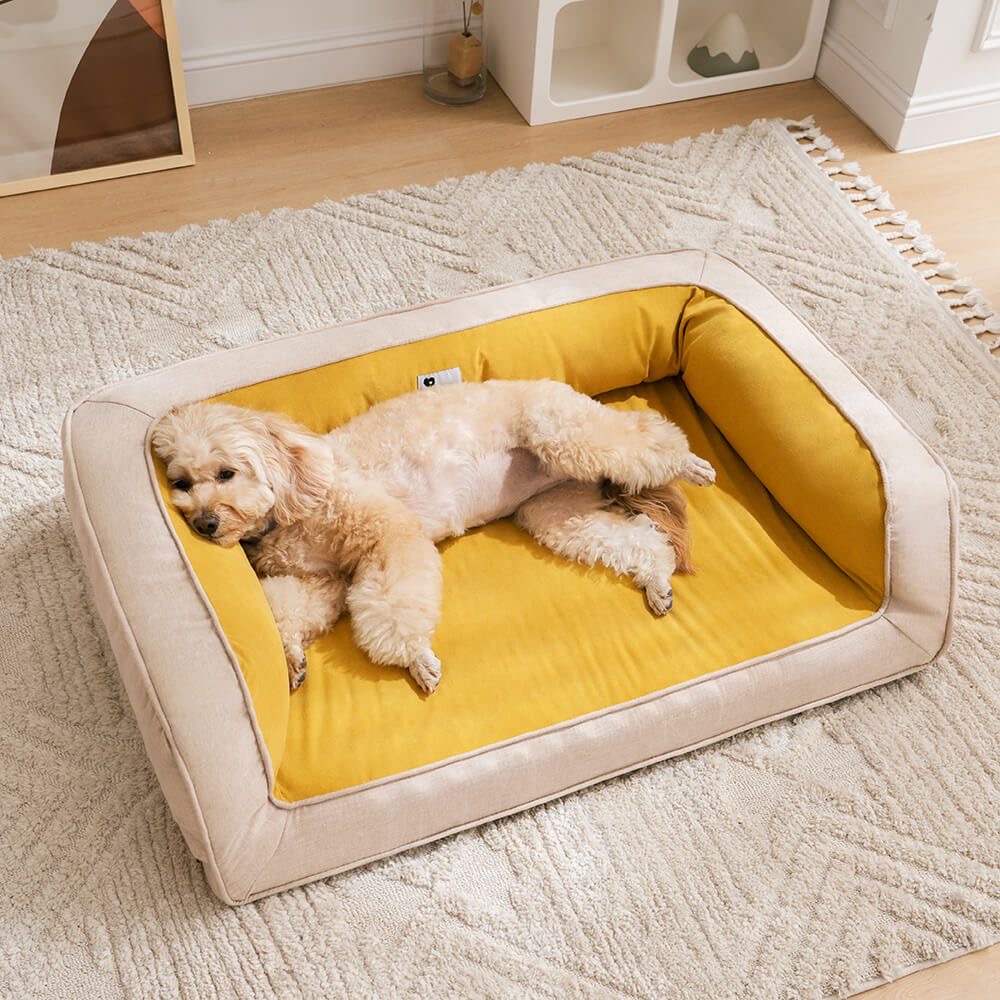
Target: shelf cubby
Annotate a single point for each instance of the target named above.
(603, 47)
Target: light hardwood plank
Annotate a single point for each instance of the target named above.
(297, 149)
(972, 977)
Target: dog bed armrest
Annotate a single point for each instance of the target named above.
(794, 439)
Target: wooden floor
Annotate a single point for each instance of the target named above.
(296, 149)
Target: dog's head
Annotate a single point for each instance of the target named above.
(234, 473)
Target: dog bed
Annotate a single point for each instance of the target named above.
(825, 560)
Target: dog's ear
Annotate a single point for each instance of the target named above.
(300, 469)
(164, 430)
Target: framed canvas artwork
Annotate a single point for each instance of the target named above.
(89, 89)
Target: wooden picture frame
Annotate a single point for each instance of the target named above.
(155, 14)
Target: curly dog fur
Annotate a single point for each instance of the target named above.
(351, 518)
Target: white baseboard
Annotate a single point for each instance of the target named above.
(856, 81)
(902, 122)
(273, 68)
(956, 116)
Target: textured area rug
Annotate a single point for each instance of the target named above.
(808, 858)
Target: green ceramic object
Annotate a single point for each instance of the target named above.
(719, 65)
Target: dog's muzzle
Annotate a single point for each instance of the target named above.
(206, 524)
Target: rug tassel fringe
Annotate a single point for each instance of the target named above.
(966, 303)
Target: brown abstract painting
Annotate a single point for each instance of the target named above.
(88, 89)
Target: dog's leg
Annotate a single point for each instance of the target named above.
(575, 436)
(574, 521)
(304, 607)
(395, 604)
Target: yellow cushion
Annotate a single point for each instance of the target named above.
(793, 439)
(595, 346)
(528, 640)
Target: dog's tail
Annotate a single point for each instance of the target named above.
(666, 507)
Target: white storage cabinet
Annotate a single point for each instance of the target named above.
(561, 59)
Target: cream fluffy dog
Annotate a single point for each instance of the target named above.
(353, 516)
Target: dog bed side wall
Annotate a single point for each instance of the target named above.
(186, 691)
(362, 824)
(790, 433)
(921, 503)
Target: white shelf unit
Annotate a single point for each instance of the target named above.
(562, 59)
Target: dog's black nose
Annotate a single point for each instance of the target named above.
(206, 524)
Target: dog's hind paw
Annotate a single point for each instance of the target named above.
(660, 598)
(698, 472)
(426, 671)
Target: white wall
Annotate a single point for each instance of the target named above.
(957, 94)
(891, 36)
(953, 60)
(234, 49)
(914, 70)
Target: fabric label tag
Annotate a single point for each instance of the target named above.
(446, 377)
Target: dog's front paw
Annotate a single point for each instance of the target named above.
(426, 671)
(295, 659)
(698, 472)
(659, 597)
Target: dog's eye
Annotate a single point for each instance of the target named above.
(227, 474)
(181, 484)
